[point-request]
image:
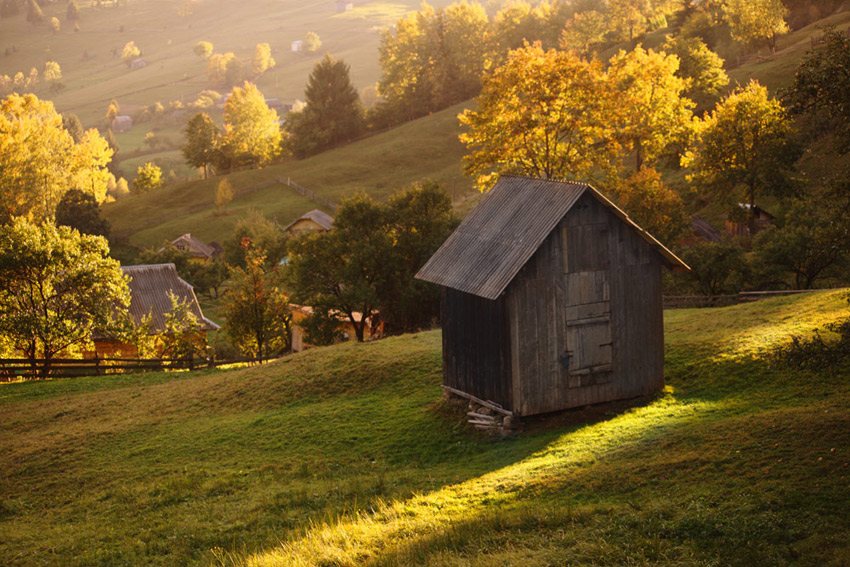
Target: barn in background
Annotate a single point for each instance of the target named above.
(552, 299)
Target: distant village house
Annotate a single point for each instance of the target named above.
(122, 123)
(196, 247)
(149, 295)
(297, 45)
(344, 6)
(138, 64)
(310, 222)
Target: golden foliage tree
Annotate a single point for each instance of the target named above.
(653, 112)
(251, 131)
(753, 21)
(39, 160)
(543, 114)
(744, 148)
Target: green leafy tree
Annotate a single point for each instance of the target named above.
(256, 309)
(542, 114)
(202, 140)
(203, 49)
(755, 21)
(338, 272)
(80, 211)
(745, 148)
(700, 66)
(419, 219)
(312, 42)
(39, 160)
(367, 262)
(432, 59)
(821, 87)
(72, 13)
(130, 52)
(583, 32)
(148, 178)
(653, 113)
(181, 336)
(57, 287)
(34, 13)
(263, 60)
(252, 134)
(809, 239)
(716, 268)
(333, 113)
(256, 234)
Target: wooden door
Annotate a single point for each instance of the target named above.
(589, 349)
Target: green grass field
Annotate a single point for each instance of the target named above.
(93, 76)
(377, 165)
(347, 456)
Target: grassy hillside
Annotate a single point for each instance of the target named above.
(347, 456)
(93, 76)
(377, 165)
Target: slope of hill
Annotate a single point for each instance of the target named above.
(377, 165)
(348, 457)
(93, 75)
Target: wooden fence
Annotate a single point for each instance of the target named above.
(686, 301)
(819, 39)
(301, 190)
(12, 369)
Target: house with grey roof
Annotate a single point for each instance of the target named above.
(151, 288)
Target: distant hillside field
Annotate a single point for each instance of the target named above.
(378, 165)
(348, 456)
(93, 76)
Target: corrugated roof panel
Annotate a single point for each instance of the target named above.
(149, 287)
(501, 234)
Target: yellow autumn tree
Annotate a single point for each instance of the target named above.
(753, 21)
(543, 114)
(39, 160)
(653, 114)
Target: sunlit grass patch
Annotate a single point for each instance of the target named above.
(346, 456)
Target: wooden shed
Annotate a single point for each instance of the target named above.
(551, 299)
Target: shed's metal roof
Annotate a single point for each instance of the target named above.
(501, 234)
(321, 218)
(149, 287)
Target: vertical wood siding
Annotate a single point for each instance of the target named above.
(476, 349)
(591, 294)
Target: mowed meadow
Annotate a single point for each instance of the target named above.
(348, 455)
(93, 76)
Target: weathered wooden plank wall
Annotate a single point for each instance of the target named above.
(591, 294)
(476, 351)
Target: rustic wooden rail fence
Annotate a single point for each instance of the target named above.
(301, 190)
(685, 301)
(819, 39)
(12, 369)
